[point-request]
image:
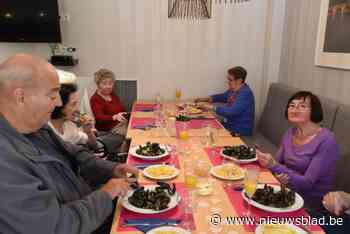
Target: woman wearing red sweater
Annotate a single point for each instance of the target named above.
(106, 106)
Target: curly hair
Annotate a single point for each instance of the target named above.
(103, 74)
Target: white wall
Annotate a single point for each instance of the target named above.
(297, 64)
(39, 49)
(274, 27)
(136, 40)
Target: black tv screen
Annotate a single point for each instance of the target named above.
(29, 21)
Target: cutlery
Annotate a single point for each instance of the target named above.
(144, 165)
(201, 118)
(144, 127)
(146, 110)
(173, 222)
(151, 224)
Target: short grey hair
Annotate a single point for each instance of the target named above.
(103, 74)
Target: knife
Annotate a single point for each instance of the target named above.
(144, 127)
(202, 118)
(144, 165)
(128, 223)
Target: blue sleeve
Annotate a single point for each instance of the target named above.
(221, 97)
(244, 101)
(325, 158)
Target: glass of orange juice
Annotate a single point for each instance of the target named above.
(250, 184)
(191, 182)
(190, 176)
(183, 131)
(178, 94)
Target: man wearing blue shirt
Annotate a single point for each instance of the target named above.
(239, 105)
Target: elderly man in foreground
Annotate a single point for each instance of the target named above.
(44, 181)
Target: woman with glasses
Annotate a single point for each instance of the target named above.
(307, 156)
(239, 105)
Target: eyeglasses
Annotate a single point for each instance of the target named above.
(301, 106)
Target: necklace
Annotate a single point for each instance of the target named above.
(302, 139)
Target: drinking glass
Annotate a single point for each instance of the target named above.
(158, 99)
(190, 176)
(183, 131)
(202, 168)
(171, 127)
(212, 134)
(191, 181)
(204, 185)
(250, 184)
(178, 94)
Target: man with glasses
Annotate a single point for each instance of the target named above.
(46, 182)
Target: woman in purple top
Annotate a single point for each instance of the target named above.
(308, 153)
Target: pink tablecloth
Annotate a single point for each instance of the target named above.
(144, 107)
(141, 122)
(199, 123)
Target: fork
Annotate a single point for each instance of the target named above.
(149, 224)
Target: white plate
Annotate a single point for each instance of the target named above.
(174, 201)
(241, 161)
(177, 230)
(151, 158)
(260, 228)
(194, 111)
(158, 166)
(213, 171)
(298, 204)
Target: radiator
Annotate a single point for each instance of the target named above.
(127, 92)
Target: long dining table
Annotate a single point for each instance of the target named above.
(225, 201)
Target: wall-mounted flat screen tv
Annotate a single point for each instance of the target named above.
(29, 21)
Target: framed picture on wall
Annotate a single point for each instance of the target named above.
(333, 38)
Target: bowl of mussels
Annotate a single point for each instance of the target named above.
(149, 151)
(183, 118)
(239, 154)
(275, 198)
(151, 198)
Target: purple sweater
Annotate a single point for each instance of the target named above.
(311, 167)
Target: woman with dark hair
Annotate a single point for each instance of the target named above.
(63, 118)
(239, 108)
(308, 153)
